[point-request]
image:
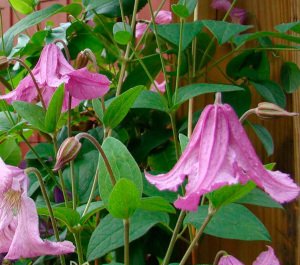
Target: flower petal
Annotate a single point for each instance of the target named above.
(27, 242)
(163, 17)
(221, 4)
(140, 28)
(267, 258)
(86, 85)
(229, 260)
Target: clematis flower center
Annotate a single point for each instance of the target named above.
(12, 201)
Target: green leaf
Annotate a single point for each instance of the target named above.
(120, 106)
(284, 27)
(122, 33)
(93, 208)
(109, 233)
(290, 77)
(229, 194)
(123, 166)
(68, 216)
(111, 8)
(232, 221)
(10, 152)
(171, 32)
(33, 19)
(180, 10)
(97, 106)
(264, 136)
(124, 199)
(54, 109)
(158, 204)
(271, 91)
(190, 5)
(184, 140)
(150, 100)
(44, 150)
(24, 6)
(190, 91)
(224, 31)
(260, 198)
(34, 114)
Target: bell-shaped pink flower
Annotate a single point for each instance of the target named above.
(160, 86)
(51, 70)
(219, 153)
(229, 260)
(19, 230)
(238, 15)
(267, 258)
(221, 4)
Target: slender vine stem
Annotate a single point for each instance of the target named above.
(174, 129)
(174, 238)
(48, 204)
(126, 224)
(78, 248)
(211, 213)
(220, 254)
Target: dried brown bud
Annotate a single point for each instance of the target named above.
(67, 152)
(81, 60)
(3, 62)
(266, 110)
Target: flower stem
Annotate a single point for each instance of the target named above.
(126, 224)
(174, 238)
(197, 237)
(33, 79)
(174, 129)
(218, 256)
(47, 201)
(99, 148)
(78, 248)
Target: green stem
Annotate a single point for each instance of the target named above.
(78, 248)
(197, 237)
(99, 148)
(126, 241)
(160, 53)
(218, 256)
(174, 129)
(62, 182)
(174, 238)
(126, 56)
(178, 59)
(49, 207)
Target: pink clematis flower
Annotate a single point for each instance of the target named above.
(51, 70)
(221, 4)
(265, 258)
(161, 87)
(219, 153)
(162, 17)
(19, 229)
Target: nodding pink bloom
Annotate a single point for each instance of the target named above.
(238, 15)
(52, 70)
(229, 260)
(160, 86)
(265, 258)
(221, 4)
(19, 228)
(219, 153)
(162, 17)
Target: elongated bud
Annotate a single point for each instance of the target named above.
(67, 152)
(3, 62)
(267, 110)
(81, 60)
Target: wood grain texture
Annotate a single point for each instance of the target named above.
(284, 226)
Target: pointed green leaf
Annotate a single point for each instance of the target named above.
(158, 204)
(122, 33)
(232, 221)
(150, 100)
(24, 6)
(124, 199)
(120, 106)
(109, 233)
(284, 27)
(224, 31)
(97, 106)
(34, 114)
(180, 10)
(290, 77)
(10, 152)
(54, 109)
(123, 166)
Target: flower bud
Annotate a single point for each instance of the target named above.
(81, 60)
(266, 110)
(3, 62)
(67, 152)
